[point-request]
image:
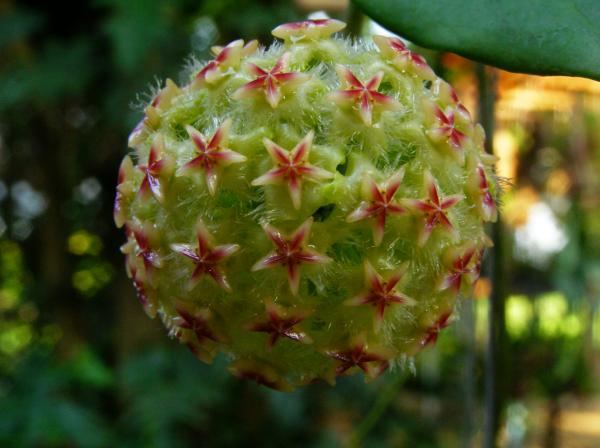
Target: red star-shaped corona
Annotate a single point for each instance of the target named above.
(460, 107)
(197, 323)
(166, 95)
(308, 29)
(152, 118)
(372, 363)
(445, 131)
(206, 256)
(476, 271)
(446, 95)
(138, 134)
(481, 188)
(292, 167)
(145, 126)
(155, 170)
(280, 324)
(434, 209)
(464, 266)
(225, 58)
(381, 293)
(261, 374)
(402, 57)
(246, 50)
(363, 97)
(270, 81)
(128, 249)
(212, 155)
(432, 332)
(150, 258)
(290, 253)
(123, 190)
(142, 292)
(379, 204)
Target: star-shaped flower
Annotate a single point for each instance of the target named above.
(246, 50)
(138, 134)
(196, 322)
(308, 29)
(280, 323)
(460, 107)
(151, 118)
(363, 97)
(130, 245)
(123, 190)
(259, 373)
(434, 209)
(143, 295)
(147, 124)
(379, 204)
(402, 57)
(290, 253)
(445, 131)
(211, 156)
(476, 270)
(192, 328)
(150, 258)
(292, 167)
(166, 95)
(270, 82)
(382, 293)
(433, 331)
(464, 268)
(156, 170)
(480, 188)
(225, 58)
(446, 95)
(206, 256)
(373, 363)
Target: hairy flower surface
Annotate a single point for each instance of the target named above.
(309, 209)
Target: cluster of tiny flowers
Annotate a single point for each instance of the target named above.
(310, 209)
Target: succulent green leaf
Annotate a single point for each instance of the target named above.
(544, 37)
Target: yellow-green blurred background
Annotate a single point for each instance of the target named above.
(80, 363)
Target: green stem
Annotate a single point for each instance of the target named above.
(383, 401)
(354, 21)
(494, 365)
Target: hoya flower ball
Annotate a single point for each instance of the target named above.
(309, 209)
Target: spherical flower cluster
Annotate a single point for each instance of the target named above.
(309, 209)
